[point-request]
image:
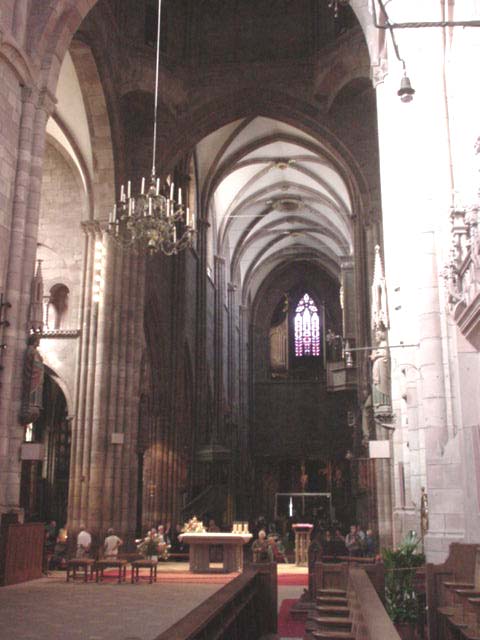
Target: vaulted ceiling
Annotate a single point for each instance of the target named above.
(273, 194)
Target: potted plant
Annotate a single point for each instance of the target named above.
(401, 600)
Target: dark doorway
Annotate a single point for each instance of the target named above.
(44, 483)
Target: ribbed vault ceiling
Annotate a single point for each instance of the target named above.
(273, 194)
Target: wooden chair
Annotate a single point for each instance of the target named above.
(107, 563)
(75, 564)
(144, 564)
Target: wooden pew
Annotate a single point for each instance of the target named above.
(457, 572)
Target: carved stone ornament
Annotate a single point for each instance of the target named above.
(462, 271)
(32, 390)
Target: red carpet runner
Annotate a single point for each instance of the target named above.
(293, 580)
(287, 626)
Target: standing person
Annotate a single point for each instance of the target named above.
(261, 549)
(111, 545)
(352, 542)
(361, 539)
(339, 543)
(370, 544)
(84, 542)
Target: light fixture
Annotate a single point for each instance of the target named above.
(406, 90)
(155, 219)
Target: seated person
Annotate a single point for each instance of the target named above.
(261, 549)
(277, 550)
(111, 545)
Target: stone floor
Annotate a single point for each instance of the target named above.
(51, 609)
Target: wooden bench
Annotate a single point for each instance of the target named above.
(144, 564)
(75, 564)
(108, 563)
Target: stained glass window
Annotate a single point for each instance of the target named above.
(307, 328)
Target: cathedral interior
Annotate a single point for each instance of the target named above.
(311, 349)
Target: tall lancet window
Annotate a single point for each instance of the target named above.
(307, 328)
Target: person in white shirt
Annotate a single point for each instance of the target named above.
(84, 542)
(111, 545)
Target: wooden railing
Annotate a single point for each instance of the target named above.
(370, 621)
(244, 608)
(334, 574)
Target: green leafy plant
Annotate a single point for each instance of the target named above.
(401, 564)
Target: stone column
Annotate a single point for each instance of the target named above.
(232, 347)
(104, 461)
(20, 17)
(219, 351)
(349, 298)
(36, 108)
(416, 203)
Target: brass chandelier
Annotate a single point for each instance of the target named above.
(156, 219)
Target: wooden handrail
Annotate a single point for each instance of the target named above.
(248, 602)
(370, 620)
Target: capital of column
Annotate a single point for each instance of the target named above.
(47, 101)
(93, 227)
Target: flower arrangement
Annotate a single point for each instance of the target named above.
(149, 545)
(193, 526)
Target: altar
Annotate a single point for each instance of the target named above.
(199, 550)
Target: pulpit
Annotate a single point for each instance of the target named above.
(302, 540)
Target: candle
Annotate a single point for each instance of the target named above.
(193, 222)
(188, 221)
(174, 235)
(179, 196)
(143, 186)
(149, 206)
(130, 208)
(129, 189)
(158, 186)
(114, 214)
(122, 194)
(171, 191)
